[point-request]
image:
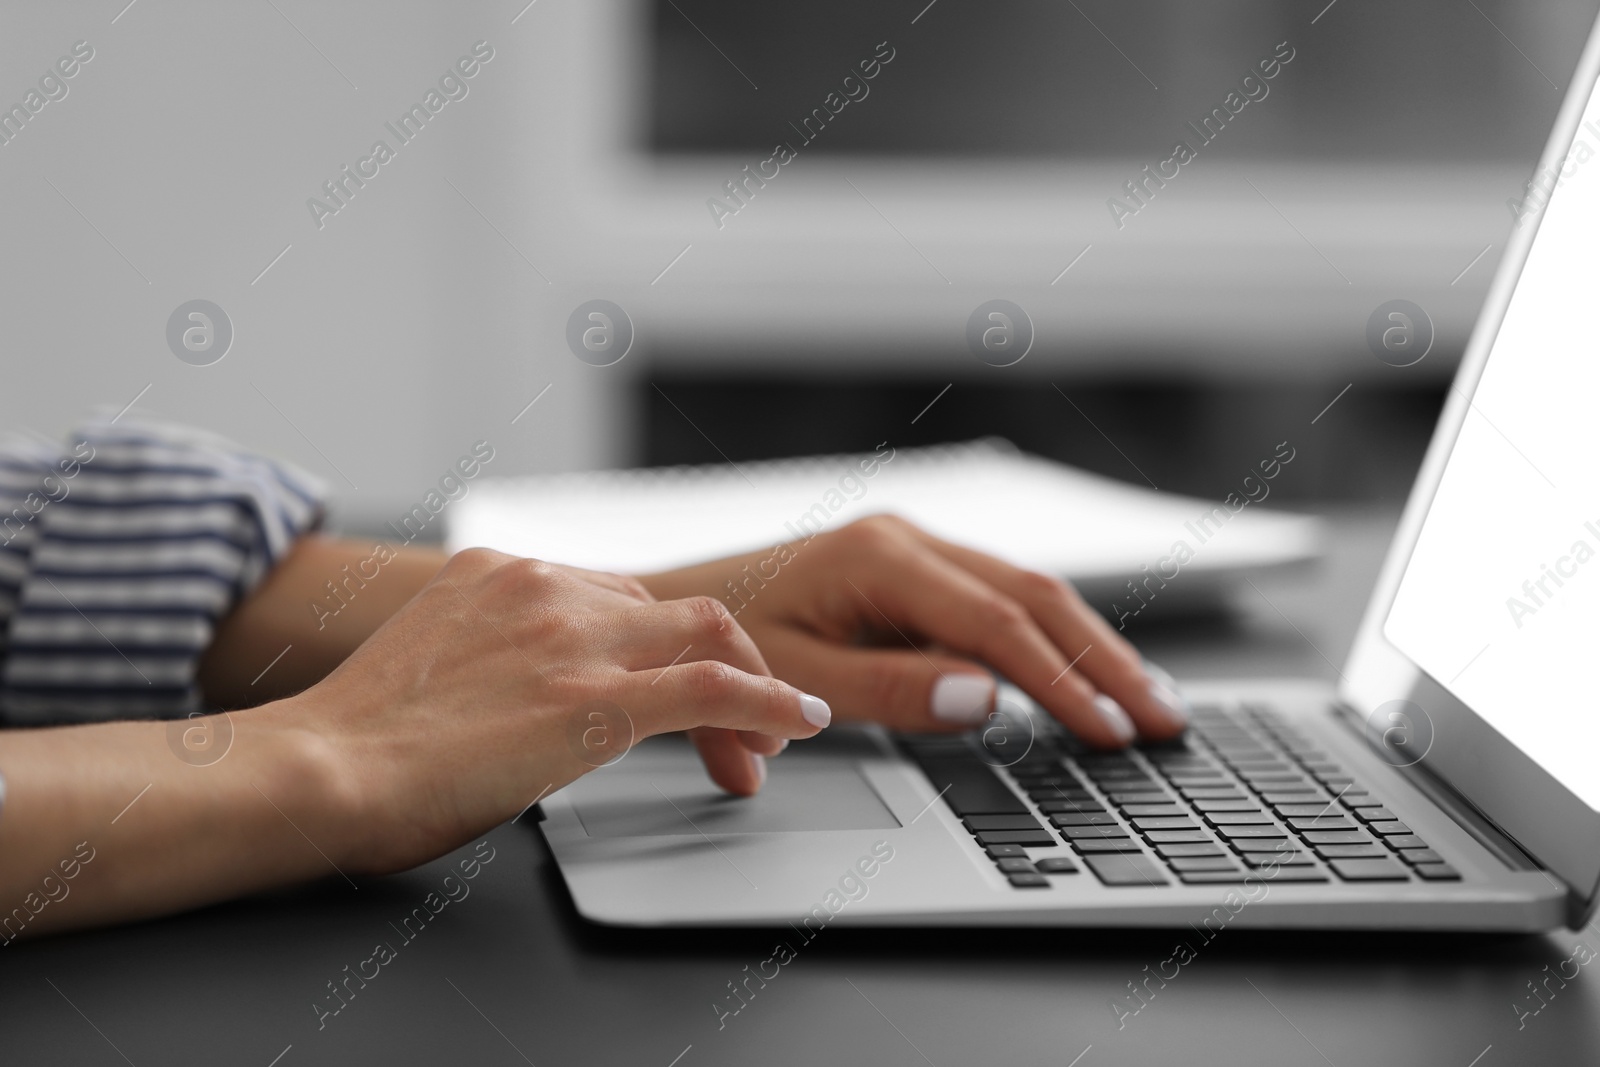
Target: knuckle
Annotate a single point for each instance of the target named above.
(517, 579)
(1036, 585)
(897, 692)
(1003, 613)
(711, 681)
(708, 617)
(874, 534)
(472, 561)
(634, 588)
(537, 577)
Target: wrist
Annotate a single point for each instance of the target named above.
(292, 758)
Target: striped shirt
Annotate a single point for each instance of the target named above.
(120, 554)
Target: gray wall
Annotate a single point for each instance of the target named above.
(427, 313)
(389, 340)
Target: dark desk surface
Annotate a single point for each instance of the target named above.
(508, 975)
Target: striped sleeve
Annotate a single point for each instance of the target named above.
(120, 554)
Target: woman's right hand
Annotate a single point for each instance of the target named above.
(506, 678)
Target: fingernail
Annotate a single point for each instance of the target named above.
(962, 697)
(1176, 709)
(1114, 717)
(761, 769)
(815, 710)
(783, 743)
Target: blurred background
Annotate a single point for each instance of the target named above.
(375, 345)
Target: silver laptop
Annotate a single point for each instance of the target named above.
(1450, 781)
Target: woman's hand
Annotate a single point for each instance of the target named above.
(502, 680)
(507, 678)
(934, 612)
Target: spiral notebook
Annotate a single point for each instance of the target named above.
(1099, 533)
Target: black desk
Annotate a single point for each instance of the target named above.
(508, 975)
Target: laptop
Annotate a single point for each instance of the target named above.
(1449, 779)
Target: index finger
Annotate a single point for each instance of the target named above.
(1101, 654)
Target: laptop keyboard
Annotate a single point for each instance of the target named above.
(1242, 790)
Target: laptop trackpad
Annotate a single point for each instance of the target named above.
(804, 795)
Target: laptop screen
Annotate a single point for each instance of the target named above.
(1500, 601)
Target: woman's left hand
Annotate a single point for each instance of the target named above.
(890, 624)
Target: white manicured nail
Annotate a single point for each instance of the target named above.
(783, 743)
(761, 769)
(1113, 716)
(815, 710)
(962, 697)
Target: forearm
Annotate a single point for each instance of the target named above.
(105, 823)
(321, 602)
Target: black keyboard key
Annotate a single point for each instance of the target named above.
(1277, 859)
(1029, 880)
(1060, 794)
(1108, 844)
(1359, 800)
(1087, 833)
(1384, 870)
(1126, 870)
(1197, 781)
(1000, 852)
(1239, 818)
(1232, 832)
(1178, 762)
(1001, 822)
(1405, 841)
(1387, 828)
(1175, 837)
(1283, 782)
(1227, 805)
(1270, 765)
(1202, 863)
(1015, 864)
(1438, 872)
(1415, 856)
(1326, 823)
(1057, 865)
(1245, 753)
(1336, 837)
(1100, 818)
(1153, 797)
(1171, 851)
(1034, 838)
(1161, 822)
(1260, 844)
(971, 788)
(1212, 792)
(1307, 811)
(1060, 805)
(1295, 874)
(1351, 852)
(1375, 815)
(1234, 876)
(1152, 810)
(1048, 781)
(1134, 780)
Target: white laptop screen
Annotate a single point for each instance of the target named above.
(1500, 602)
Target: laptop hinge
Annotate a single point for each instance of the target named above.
(1466, 815)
